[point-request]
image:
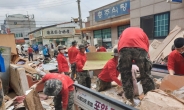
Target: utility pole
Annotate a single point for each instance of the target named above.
(80, 19)
(29, 21)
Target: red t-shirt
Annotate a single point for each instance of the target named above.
(80, 61)
(62, 63)
(109, 72)
(67, 85)
(102, 49)
(176, 62)
(30, 50)
(72, 53)
(133, 37)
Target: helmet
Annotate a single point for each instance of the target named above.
(81, 46)
(52, 87)
(74, 42)
(115, 52)
(60, 47)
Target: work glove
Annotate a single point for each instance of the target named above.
(135, 69)
(33, 86)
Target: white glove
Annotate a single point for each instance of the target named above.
(135, 68)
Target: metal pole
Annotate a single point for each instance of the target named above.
(80, 20)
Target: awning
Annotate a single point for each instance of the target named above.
(57, 36)
(107, 25)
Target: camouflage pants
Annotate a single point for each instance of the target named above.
(58, 99)
(141, 59)
(84, 79)
(102, 85)
(73, 68)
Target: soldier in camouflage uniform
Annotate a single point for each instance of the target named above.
(109, 73)
(133, 45)
(60, 86)
(83, 76)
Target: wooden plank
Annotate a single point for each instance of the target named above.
(167, 49)
(18, 79)
(166, 41)
(32, 101)
(2, 103)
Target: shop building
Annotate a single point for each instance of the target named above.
(60, 34)
(155, 17)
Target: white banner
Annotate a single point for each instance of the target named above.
(88, 101)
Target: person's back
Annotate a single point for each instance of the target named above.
(133, 37)
(72, 53)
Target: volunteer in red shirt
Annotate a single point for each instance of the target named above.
(30, 53)
(134, 45)
(83, 77)
(72, 53)
(176, 58)
(62, 62)
(109, 74)
(60, 86)
(100, 49)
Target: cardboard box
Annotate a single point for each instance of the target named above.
(172, 82)
(8, 40)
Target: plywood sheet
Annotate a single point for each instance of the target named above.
(8, 40)
(18, 79)
(97, 60)
(167, 49)
(165, 43)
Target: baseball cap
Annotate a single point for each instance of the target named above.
(115, 52)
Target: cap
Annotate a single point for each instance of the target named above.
(74, 42)
(115, 52)
(52, 87)
(173, 47)
(179, 42)
(81, 46)
(60, 47)
(96, 45)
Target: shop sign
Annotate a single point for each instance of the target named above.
(178, 1)
(116, 10)
(91, 102)
(59, 31)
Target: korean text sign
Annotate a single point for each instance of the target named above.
(117, 10)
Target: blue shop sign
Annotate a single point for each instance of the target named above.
(179, 1)
(117, 10)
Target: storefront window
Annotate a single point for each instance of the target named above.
(161, 26)
(98, 34)
(105, 35)
(121, 29)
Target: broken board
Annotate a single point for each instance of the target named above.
(18, 79)
(32, 101)
(165, 43)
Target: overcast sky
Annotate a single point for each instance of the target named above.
(48, 12)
